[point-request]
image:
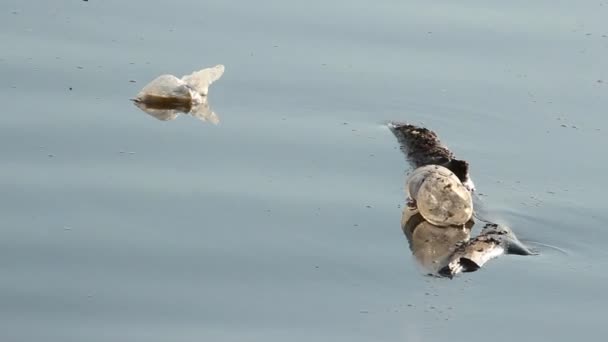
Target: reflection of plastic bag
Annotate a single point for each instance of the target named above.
(201, 111)
(167, 96)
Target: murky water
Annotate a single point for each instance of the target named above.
(283, 221)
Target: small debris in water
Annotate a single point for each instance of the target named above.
(51, 155)
(132, 81)
(79, 67)
(70, 88)
(363, 312)
(167, 96)
(564, 125)
(368, 206)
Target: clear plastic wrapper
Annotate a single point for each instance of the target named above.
(440, 196)
(168, 96)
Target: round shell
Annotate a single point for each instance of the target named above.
(440, 196)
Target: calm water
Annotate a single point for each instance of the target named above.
(282, 222)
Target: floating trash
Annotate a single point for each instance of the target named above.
(438, 218)
(440, 196)
(168, 96)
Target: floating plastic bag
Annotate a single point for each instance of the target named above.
(167, 96)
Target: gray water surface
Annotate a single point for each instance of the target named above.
(282, 223)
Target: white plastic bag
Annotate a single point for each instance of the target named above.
(167, 96)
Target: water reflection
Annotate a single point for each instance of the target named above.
(448, 251)
(168, 96)
(167, 110)
(438, 218)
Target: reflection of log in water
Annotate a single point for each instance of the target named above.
(447, 249)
